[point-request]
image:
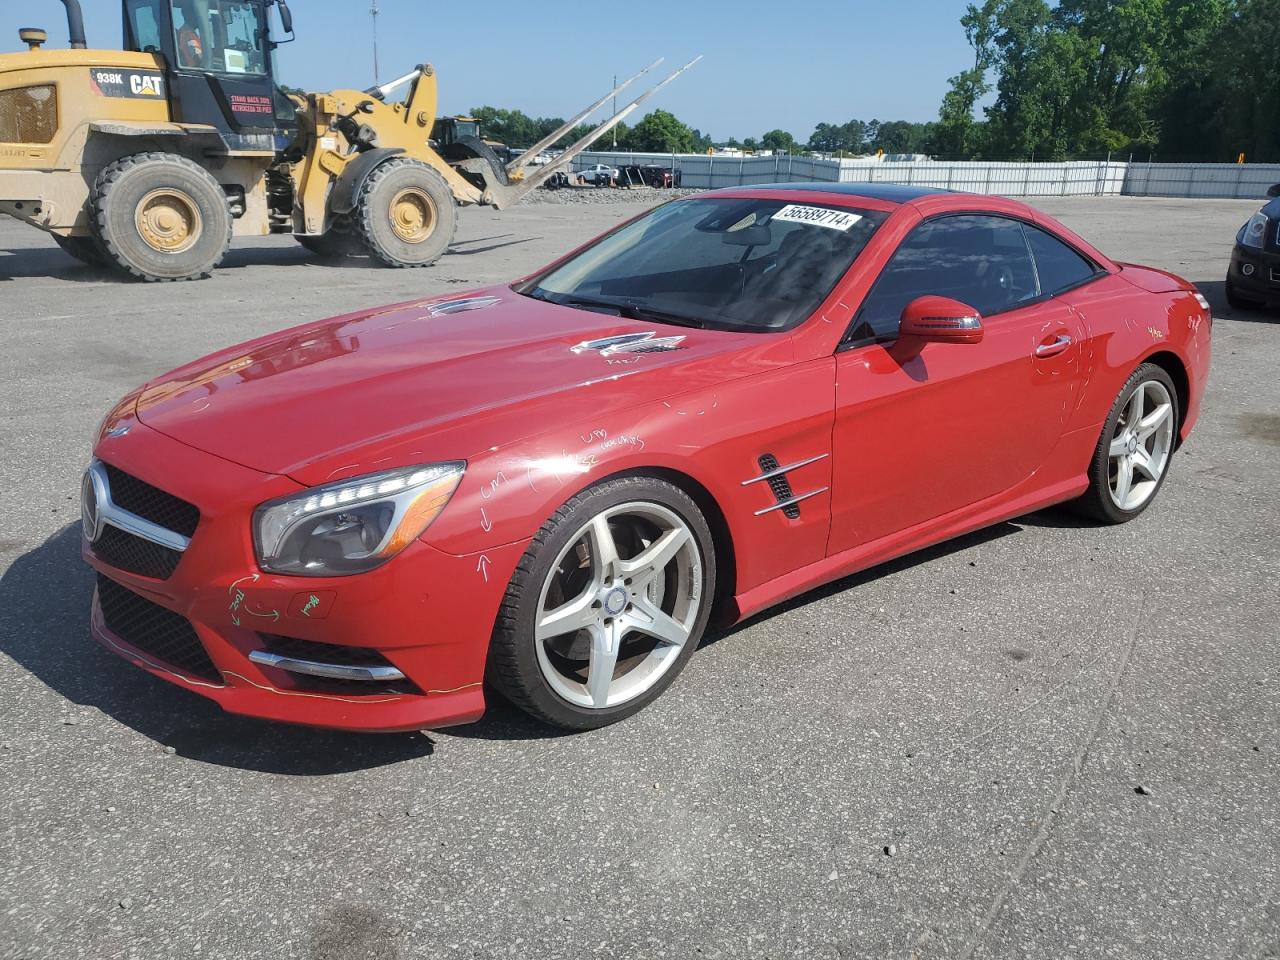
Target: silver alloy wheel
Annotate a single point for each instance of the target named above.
(1140, 446)
(618, 605)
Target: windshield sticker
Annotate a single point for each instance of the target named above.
(817, 216)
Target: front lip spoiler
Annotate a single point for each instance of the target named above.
(334, 671)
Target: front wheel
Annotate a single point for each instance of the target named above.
(1132, 457)
(606, 606)
(406, 215)
(1237, 302)
(334, 245)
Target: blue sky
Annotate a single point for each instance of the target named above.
(766, 65)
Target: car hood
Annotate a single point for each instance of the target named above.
(432, 379)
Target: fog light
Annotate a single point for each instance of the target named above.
(1246, 269)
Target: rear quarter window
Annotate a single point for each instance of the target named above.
(1059, 266)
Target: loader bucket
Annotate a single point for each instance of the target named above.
(505, 195)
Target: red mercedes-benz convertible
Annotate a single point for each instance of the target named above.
(550, 489)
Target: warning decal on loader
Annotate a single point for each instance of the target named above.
(130, 84)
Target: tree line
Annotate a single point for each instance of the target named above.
(1162, 79)
(1180, 79)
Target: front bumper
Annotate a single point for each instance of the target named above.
(1255, 272)
(427, 613)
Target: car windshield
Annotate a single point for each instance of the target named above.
(724, 263)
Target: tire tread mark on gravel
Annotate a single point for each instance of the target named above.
(1065, 783)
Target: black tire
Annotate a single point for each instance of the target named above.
(334, 245)
(1096, 503)
(1237, 302)
(374, 213)
(84, 249)
(512, 668)
(473, 148)
(120, 192)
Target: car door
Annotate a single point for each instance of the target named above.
(923, 430)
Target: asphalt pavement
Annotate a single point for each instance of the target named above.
(1047, 739)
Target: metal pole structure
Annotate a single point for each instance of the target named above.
(373, 13)
(615, 110)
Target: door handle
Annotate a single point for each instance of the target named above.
(1060, 343)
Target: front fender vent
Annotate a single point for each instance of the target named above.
(779, 485)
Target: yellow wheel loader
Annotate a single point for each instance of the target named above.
(151, 158)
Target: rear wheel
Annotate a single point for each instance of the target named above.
(473, 148)
(84, 249)
(1133, 454)
(606, 606)
(406, 214)
(161, 217)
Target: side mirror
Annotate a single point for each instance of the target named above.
(286, 18)
(941, 320)
(1273, 190)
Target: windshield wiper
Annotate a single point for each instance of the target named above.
(635, 309)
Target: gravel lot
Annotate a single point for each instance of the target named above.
(1042, 740)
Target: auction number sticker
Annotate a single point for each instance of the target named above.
(818, 216)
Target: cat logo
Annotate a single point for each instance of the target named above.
(127, 84)
(146, 84)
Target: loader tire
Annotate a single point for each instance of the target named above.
(406, 214)
(473, 148)
(333, 245)
(85, 249)
(161, 217)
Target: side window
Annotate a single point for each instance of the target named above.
(979, 260)
(1058, 265)
(144, 25)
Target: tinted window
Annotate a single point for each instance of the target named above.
(1059, 266)
(980, 261)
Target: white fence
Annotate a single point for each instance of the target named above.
(1091, 178)
(1238, 180)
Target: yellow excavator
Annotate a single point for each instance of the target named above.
(152, 157)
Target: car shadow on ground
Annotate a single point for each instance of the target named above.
(44, 607)
(44, 613)
(51, 262)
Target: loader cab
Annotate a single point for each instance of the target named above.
(218, 57)
(449, 130)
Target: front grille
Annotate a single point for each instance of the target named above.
(155, 630)
(334, 653)
(124, 551)
(151, 503)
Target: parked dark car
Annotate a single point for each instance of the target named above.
(1253, 279)
(648, 175)
(557, 180)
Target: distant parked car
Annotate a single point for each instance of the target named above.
(541, 160)
(649, 175)
(1253, 279)
(601, 174)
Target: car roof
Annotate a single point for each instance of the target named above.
(926, 201)
(891, 192)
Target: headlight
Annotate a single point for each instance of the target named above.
(353, 525)
(1255, 231)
